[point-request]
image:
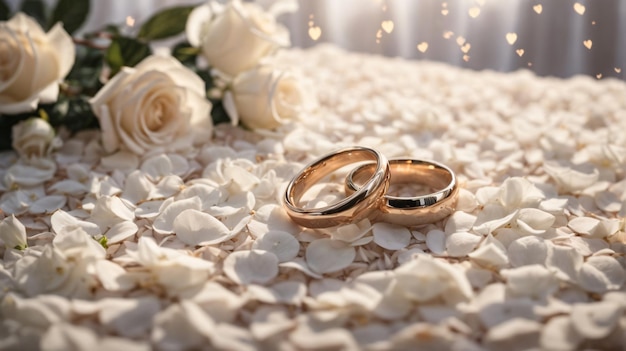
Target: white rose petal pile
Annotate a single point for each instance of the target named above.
(192, 250)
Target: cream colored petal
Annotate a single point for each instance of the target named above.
(269, 321)
(565, 261)
(596, 320)
(390, 236)
(129, 317)
(164, 222)
(64, 48)
(436, 241)
(173, 330)
(490, 255)
(459, 221)
(113, 277)
(12, 233)
(157, 167)
(328, 255)
(48, 204)
(198, 228)
(121, 231)
(571, 177)
(527, 250)
(515, 334)
(461, 243)
(284, 245)
(121, 160)
(166, 187)
(534, 281)
(600, 274)
(196, 23)
(254, 266)
(65, 336)
(559, 334)
(21, 22)
(584, 225)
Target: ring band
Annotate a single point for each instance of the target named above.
(416, 210)
(359, 204)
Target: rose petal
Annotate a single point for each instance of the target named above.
(61, 220)
(527, 250)
(559, 334)
(595, 320)
(571, 177)
(157, 167)
(534, 281)
(391, 236)
(287, 292)
(122, 160)
(490, 255)
(137, 187)
(68, 187)
(113, 277)
(269, 321)
(328, 255)
(583, 225)
(534, 221)
(282, 244)
(120, 232)
(197, 228)
(515, 334)
(600, 274)
(460, 244)
(459, 222)
(253, 266)
(164, 222)
(564, 261)
(166, 187)
(63, 336)
(129, 317)
(436, 241)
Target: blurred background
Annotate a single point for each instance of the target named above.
(559, 38)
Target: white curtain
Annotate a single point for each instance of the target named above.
(553, 41)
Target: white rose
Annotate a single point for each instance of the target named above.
(265, 98)
(13, 233)
(159, 104)
(32, 63)
(34, 138)
(235, 37)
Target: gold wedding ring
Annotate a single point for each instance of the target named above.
(359, 204)
(411, 211)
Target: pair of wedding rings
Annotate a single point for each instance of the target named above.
(366, 189)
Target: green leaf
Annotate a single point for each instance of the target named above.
(218, 113)
(74, 113)
(21, 247)
(35, 9)
(103, 241)
(6, 126)
(185, 53)
(206, 76)
(111, 29)
(165, 24)
(85, 74)
(125, 51)
(4, 11)
(72, 13)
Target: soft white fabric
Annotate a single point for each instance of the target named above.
(552, 41)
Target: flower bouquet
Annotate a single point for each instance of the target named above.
(141, 96)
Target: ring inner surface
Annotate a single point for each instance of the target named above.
(407, 172)
(322, 168)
